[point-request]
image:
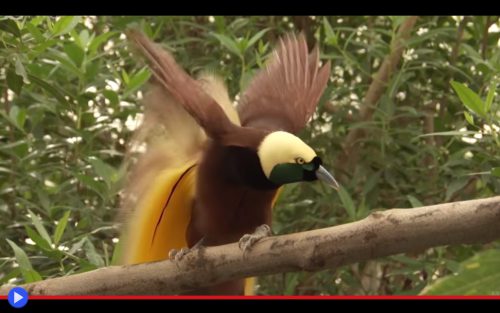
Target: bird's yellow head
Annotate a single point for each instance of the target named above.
(285, 159)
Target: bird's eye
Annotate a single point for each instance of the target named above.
(300, 160)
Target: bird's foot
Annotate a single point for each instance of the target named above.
(249, 240)
(178, 255)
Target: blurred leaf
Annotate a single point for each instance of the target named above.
(65, 24)
(137, 80)
(330, 36)
(104, 170)
(20, 70)
(35, 32)
(12, 274)
(469, 98)
(21, 257)
(469, 118)
(55, 91)
(495, 171)
(397, 20)
(415, 203)
(14, 81)
(42, 243)
(29, 274)
(75, 53)
(477, 276)
(39, 227)
(112, 97)
(10, 26)
(228, 43)
(347, 202)
(61, 226)
(491, 95)
(256, 37)
(17, 116)
(455, 186)
(89, 182)
(92, 255)
(99, 40)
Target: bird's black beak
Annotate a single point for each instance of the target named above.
(325, 176)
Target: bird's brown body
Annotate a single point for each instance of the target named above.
(245, 204)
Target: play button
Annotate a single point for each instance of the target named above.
(18, 297)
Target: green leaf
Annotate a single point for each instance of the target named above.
(75, 53)
(256, 37)
(397, 20)
(111, 96)
(330, 36)
(84, 38)
(20, 70)
(65, 24)
(92, 255)
(495, 171)
(370, 183)
(469, 98)
(12, 274)
(42, 243)
(96, 43)
(37, 20)
(43, 199)
(39, 227)
(21, 257)
(455, 186)
(478, 275)
(228, 43)
(104, 170)
(29, 274)
(469, 118)
(96, 186)
(14, 81)
(61, 226)
(53, 90)
(125, 77)
(137, 80)
(35, 32)
(10, 26)
(415, 203)
(490, 96)
(346, 200)
(17, 116)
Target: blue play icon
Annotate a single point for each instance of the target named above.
(18, 297)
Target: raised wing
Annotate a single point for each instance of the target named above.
(284, 95)
(183, 88)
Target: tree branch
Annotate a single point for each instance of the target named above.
(380, 234)
(348, 157)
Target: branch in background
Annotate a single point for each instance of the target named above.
(381, 234)
(460, 35)
(453, 60)
(377, 88)
(430, 161)
(484, 43)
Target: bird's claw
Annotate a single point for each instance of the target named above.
(177, 255)
(249, 240)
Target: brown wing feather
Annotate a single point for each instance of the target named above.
(284, 95)
(188, 92)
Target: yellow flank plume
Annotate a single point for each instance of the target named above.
(161, 222)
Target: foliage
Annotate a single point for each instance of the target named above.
(70, 97)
